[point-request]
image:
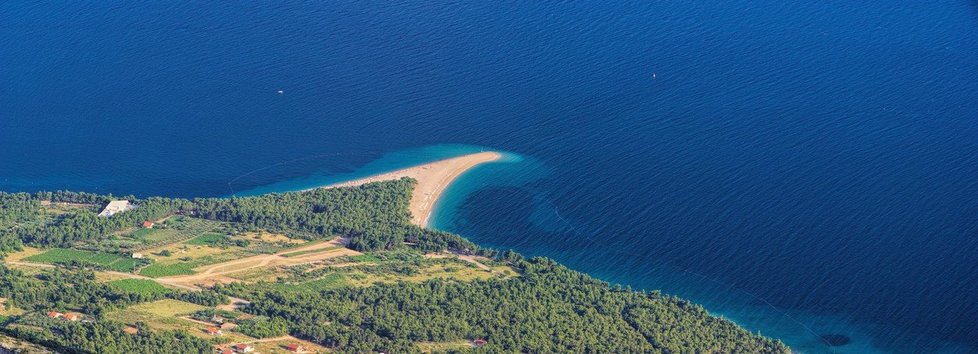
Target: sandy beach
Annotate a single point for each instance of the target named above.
(432, 179)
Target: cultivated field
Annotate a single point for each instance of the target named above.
(111, 261)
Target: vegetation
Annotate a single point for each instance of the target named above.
(101, 260)
(103, 337)
(157, 270)
(391, 299)
(148, 288)
(208, 239)
(263, 327)
(548, 309)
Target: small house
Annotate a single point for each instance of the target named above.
(148, 224)
(217, 319)
(72, 316)
(479, 342)
(243, 348)
(55, 314)
(130, 330)
(214, 331)
(295, 348)
(137, 255)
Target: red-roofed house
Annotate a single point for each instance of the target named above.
(479, 342)
(148, 224)
(72, 316)
(214, 331)
(243, 348)
(55, 314)
(295, 348)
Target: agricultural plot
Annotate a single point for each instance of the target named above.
(158, 270)
(367, 275)
(140, 286)
(261, 266)
(174, 230)
(110, 261)
(170, 314)
(308, 252)
(212, 248)
(207, 239)
(181, 259)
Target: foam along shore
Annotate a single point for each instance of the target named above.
(432, 179)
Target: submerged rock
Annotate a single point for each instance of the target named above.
(835, 340)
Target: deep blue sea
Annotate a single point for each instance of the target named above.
(803, 168)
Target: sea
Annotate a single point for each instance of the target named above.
(807, 169)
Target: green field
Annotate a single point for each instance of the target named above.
(207, 239)
(330, 281)
(140, 286)
(302, 253)
(176, 230)
(111, 261)
(157, 270)
(364, 258)
(142, 233)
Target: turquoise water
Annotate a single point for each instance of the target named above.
(387, 162)
(804, 168)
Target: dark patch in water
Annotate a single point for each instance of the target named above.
(835, 340)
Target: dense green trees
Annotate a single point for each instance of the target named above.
(104, 337)
(548, 309)
(374, 216)
(62, 289)
(24, 220)
(263, 327)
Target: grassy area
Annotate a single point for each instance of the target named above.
(111, 261)
(441, 347)
(430, 269)
(305, 252)
(207, 239)
(330, 281)
(168, 314)
(143, 233)
(140, 286)
(8, 309)
(175, 229)
(364, 258)
(256, 274)
(20, 255)
(156, 309)
(157, 270)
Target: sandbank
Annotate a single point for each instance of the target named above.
(432, 179)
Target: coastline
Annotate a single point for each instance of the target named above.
(433, 178)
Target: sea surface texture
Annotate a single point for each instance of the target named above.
(808, 169)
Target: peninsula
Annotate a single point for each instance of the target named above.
(432, 179)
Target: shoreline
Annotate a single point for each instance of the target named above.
(433, 178)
